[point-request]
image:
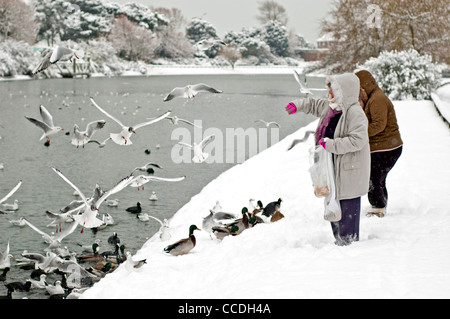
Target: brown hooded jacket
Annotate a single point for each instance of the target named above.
(383, 129)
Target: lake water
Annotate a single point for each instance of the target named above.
(245, 98)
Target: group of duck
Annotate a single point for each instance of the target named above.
(222, 224)
(78, 271)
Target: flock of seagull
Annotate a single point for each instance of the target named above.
(85, 212)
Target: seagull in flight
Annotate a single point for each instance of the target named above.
(53, 241)
(100, 144)
(267, 124)
(57, 54)
(141, 180)
(303, 88)
(11, 192)
(5, 258)
(199, 155)
(89, 218)
(190, 91)
(123, 138)
(206, 44)
(46, 124)
(83, 137)
(146, 167)
(175, 120)
(58, 219)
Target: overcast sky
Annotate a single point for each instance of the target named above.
(232, 15)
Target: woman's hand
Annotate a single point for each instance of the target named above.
(291, 108)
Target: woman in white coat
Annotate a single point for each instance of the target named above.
(342, 130)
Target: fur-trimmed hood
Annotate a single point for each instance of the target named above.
(345, 88)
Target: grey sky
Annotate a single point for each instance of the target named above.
(232, 15)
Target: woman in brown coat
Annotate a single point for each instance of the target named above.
(384, 138)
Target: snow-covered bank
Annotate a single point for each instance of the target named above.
(441, 98)
(404, 255)
(151, 70)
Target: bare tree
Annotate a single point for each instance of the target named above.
(231, 54)
(132, 41)
(174, 43)
(17, 21)
(270, 10)
(364, 28)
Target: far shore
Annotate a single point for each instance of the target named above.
(153, 70)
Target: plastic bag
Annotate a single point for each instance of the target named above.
(333, 211)
(319, 171)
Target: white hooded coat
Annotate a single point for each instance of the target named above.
(350, 145)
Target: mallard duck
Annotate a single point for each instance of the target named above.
(88, 248)
(242, 223)
(183, 246)
(270, 208)
(277, 215)
(222, 231)
(258, 209)
(118, 255)
(95, 256)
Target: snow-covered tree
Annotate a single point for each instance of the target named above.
(142, 15)
(17, 58)
(405, 74)
(89, 19)
(276, 36)
(249, 42)
(199, 29)
(13, 13)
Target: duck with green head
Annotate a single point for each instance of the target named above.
(222, 231)
(183, 246)
(95, 256)
(241, 223)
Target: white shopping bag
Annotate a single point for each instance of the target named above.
(333, 211)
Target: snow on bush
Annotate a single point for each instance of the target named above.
(405, 74)
(17, 58)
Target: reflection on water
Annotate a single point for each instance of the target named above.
(245, 98)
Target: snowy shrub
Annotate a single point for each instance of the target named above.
(405, 74)
(17, 58)
(275, 35)
(102, 56)
(199, 29)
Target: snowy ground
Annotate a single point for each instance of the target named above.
(404, 255)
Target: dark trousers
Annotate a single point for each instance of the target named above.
(347, 229)
(381, 164)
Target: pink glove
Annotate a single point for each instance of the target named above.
(322, 142)
(291, 108)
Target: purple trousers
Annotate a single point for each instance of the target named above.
(347, 229)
